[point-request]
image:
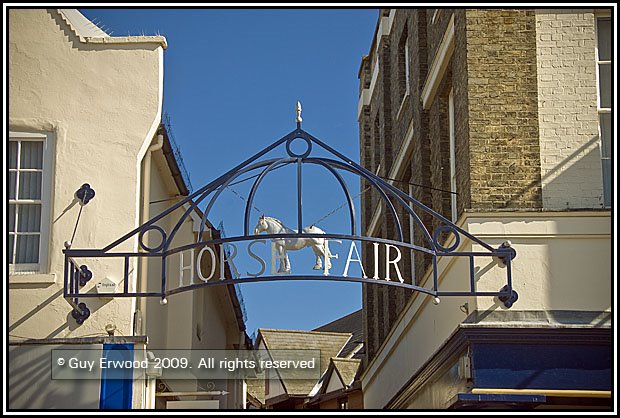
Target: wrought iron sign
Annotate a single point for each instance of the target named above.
(203, 263)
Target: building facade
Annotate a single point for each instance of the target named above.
(341, 387)
(500, 120)
(86, 108)
(336, 385)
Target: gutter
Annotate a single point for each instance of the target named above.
(146, 198)
(172, 162)
(140, 339)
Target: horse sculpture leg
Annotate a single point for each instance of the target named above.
(318, 246)
(327, 255)
(283, 257)
(318, 265)
(285, 263)
(287, 267)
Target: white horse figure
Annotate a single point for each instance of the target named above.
(318, 245)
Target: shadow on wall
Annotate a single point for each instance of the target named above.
(561, 182)
(94, 304)
(580, 267)
(31, 385)
(581, 277)
(575, 166)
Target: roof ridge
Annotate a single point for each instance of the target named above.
(339, 319)
(355, 360)
(305, 332)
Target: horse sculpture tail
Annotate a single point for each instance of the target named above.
(312, 229)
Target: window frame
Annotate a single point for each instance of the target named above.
(405, 67)
(452, 134)
(412, 238)
(45, 201)
(607, 199)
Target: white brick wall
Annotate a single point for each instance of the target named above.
(568, 118)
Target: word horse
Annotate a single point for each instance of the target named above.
(319, 245)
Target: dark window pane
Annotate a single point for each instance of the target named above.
(605, 119)
(27, 249)
(604, 84)
(603, 25)
(12, 218)
(10, 250)
(31, 154)
(30, 185)
(29, 219)
(13, 154)
(12, 184)
(607, 182)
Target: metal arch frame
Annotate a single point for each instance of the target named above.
(74, 272)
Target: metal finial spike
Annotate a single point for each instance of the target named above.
(299, 120)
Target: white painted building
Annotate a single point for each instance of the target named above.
(85, 107)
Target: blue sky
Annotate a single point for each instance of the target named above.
(231, 82)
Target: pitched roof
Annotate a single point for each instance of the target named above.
(349, 323)
(346, 368)
(329, 343)
(256, 388)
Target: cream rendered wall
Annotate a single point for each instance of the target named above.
(567, 109)
(174, 325)
(207, 312)
(34, 366)
(168, 326)
(102, 102)
(334, 383)
(563, 259)
(563, 264)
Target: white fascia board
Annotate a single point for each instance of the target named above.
(364, 101)
(374, 76)
(385, 27)
(196, 220)
(391, 20)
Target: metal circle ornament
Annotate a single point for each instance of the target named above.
(84, 275)
(450, 229)
(84, 194)
(80, 313)
(294, 154)
(146, 247)
(509, 296)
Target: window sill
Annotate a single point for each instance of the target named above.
(402, 104)
(27, 278)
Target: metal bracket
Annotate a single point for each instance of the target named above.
(81, 313)
(85, 194)
(510, 297)
(85, 275)
(502, 260)
(444, 241)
